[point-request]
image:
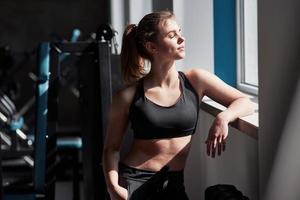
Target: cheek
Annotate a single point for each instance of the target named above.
(167, 47)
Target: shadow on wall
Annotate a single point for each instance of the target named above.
(279, 98)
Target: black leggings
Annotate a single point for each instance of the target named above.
(148, 185)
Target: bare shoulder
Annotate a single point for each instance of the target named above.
(209, 84)
(197, 78)
(197, 74)
(203, 78)
(124, 96)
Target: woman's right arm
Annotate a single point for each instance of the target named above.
(116, 128)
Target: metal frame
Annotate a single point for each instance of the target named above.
(38, 191)
(95, 98)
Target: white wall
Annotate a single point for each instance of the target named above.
(117, 18)
(279, 100)
(138, 8)
(196, 20)
(237, 165)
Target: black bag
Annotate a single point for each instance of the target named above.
(224, 192)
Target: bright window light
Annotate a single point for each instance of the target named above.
(247, 68)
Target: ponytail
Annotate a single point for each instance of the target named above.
(131, 61)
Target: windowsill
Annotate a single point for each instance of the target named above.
(247, 125)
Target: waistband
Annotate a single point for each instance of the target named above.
(144, 175)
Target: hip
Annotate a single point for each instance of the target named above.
(148, 185)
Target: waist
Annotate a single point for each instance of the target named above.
(154, 154)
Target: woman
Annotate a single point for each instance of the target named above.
(162, 107)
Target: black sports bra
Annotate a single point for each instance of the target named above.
(152, 121)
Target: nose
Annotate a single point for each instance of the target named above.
(181, 39)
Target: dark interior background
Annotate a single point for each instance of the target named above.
(24, 24)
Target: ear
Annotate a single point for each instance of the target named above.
(151, 47)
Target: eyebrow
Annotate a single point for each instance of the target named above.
(173, 31)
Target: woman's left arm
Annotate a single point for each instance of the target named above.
(238, 105)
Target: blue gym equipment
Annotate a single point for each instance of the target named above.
(41, 149)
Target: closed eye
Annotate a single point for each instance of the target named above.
(172, 35)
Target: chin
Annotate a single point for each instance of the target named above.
(181, 56)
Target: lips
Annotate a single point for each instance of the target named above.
(181, 48)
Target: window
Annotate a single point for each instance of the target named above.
(247, 62)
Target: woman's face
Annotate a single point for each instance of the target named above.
(170, 42)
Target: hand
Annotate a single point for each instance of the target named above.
(118, 193)
(216, 137)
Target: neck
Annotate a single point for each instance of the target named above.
(162, 74)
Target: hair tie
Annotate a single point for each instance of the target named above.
(134, 27)
(134, 30)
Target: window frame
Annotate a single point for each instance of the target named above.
(240, 50)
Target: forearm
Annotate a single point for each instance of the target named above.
(110, 167)
(238, 108)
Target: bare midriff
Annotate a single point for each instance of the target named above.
(154, 154)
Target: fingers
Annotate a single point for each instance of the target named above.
(208, 147)
(224, 145)
(218, 145)
(211, 148)
(219, 148)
